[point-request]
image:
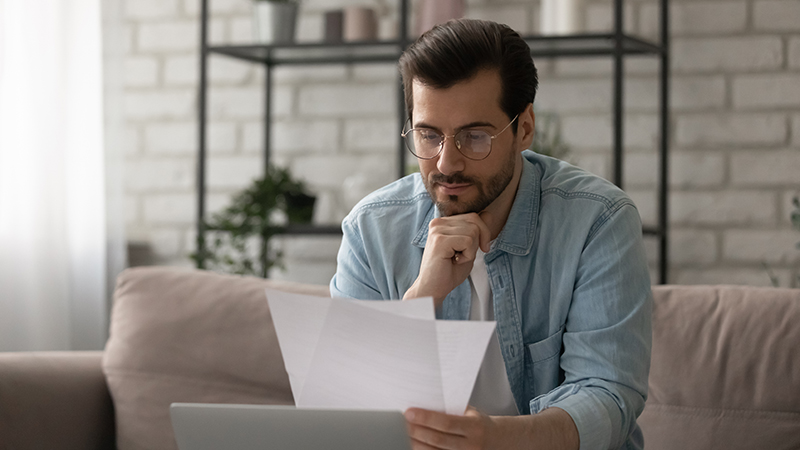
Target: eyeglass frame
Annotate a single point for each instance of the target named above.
(444, 137)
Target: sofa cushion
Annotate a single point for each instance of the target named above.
(725, 369)
(181, 335)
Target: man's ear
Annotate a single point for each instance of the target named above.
(526, 127)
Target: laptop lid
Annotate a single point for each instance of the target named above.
(201, 426)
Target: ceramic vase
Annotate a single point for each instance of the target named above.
(274, 22)
(434, 12)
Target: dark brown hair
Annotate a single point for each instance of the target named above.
(456, 50)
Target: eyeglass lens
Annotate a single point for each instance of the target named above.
(473, 144)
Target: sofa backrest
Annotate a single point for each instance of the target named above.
(190, 336)
(725, 370)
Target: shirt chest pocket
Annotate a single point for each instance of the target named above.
(545, 356)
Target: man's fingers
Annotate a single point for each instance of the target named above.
(445, 423)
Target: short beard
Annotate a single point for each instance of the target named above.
(486, 193)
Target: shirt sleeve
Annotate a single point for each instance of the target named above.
(607, 337)
(353, 277)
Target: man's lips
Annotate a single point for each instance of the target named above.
(453, 188)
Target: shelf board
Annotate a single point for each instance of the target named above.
(389, 51)
(302, 229)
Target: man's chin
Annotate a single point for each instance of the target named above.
(452, 206)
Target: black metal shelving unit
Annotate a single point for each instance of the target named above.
(615, 44)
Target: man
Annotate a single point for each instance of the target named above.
(495, 232)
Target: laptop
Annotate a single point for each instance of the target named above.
(202, 426)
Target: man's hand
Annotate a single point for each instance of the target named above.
(551, 429)
(449, 254)
(434, 430)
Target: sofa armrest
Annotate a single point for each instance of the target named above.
(54, 400)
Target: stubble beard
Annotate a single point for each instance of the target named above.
(487, 192)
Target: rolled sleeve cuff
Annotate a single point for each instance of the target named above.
(591, 417)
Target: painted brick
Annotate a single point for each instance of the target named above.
(515, 16)
(565, 96)
(323, 172)
(376, 72)
(192, 7)
(347, 100)
(240, 30)
(734, 276)
(582, 66)
(767, 91)
(311, 247)
(310, 28)
(765, 168)
(178, 209)
(166, 242)
(305, 74)
(696, 17)
(151, 9)
(235, 103)
(723, 208)
(690, 170)
(233, 173)
(697, 92)
(224, 70)
(727, 54)
(306, 137)
(181, 138)
(168, 36)
(646, 202)
(776, 15)
(738, 130)
(253, 137)
(692, 247)
(641, 94)
(757, 246)
(796, 130)
(594, 133)
(131, 209)
(314, 272)
(640, 169)
(181, 70)
(599, 17)
(794, 52)
(141, 71)
(159, 175)
(161, 104)
(131, 144)
(371, 134)
(171, 138)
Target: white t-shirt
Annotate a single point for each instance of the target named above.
(492, 393)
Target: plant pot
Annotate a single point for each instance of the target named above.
(299, 207)
(360, 24)
(274, 22)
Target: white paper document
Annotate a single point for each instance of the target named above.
(358, 354)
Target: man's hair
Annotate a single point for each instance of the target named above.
(456, 50)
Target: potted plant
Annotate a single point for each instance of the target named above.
(237, 238)
(274, 21)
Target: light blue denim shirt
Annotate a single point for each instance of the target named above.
(570, 285)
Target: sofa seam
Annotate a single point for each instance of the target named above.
(698, 409)
(184, 378)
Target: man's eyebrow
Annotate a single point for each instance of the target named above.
(477, 124)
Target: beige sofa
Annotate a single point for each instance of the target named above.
(725, 369)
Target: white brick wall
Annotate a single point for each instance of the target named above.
(735, 126)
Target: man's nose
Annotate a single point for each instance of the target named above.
(450, 159)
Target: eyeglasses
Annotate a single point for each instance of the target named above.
(426, 143)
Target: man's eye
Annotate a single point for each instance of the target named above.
(475, 136)
(428, 136)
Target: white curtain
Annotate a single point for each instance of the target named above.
(53, 240)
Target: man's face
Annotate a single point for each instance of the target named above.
(456, 184)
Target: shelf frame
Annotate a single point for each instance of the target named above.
(617, 44)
